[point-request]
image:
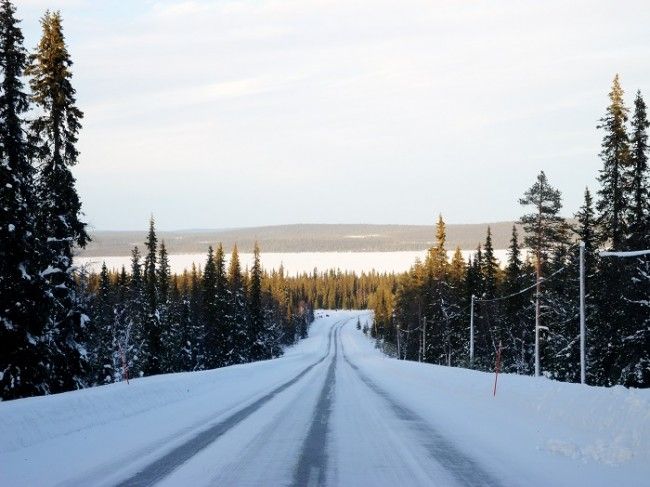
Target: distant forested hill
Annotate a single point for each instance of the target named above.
(305, 238)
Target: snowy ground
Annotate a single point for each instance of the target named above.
(294, 262)
(332, 411)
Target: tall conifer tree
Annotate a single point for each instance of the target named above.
(639, 211)
(257, 322)
(490, 266)
(517, 330)
(150, 279)
(133, 341)
(635, 344)
(238, 312)
(167, 308)
(163, 274)
(222, 295)
(210, 311)
(612, 205)
(54, 133)
(544, 229)
(103, 339)
(24, 361)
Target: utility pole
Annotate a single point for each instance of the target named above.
(583, 364)
(419, 317)
(537, 309)
(471, 334)
(424, 338)
(399, 350)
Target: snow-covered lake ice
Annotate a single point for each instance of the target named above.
(296, 262)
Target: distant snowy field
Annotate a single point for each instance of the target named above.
(296, 262)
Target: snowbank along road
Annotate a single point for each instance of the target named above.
(332, 411)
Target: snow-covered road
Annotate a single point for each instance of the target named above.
(332, 411)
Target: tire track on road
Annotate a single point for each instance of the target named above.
(463, 468)
(311, 469)
(166, 464)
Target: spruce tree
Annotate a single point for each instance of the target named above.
(133, 338)
(458, 322)
(183, 357)
(586, 228)
(257, 345)
(517, 351)
(166, 309)
(612, 205)
(24, 358)
(163, 274)
(210, 312)
(438, 253)
(616, 321)
(634, 355)
(176, 334)
(222, 300)
(103, 337)
(638, 176)
(152, 325)
(440, 310)
(238, 313)
(514, 265)
(196, 333)
(561, 348)
(121, 307)
(490, 266)
(477, 283)
(150, 261)
(487, 326)
(54, 133)
(457, 267)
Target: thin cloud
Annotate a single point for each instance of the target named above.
(391, 94)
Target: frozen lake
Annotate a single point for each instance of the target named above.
(294, 262)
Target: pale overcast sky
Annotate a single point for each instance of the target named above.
(253, 112)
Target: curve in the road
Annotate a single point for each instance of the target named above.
(465, 470)
(165, 465)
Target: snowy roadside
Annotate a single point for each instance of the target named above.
(535, 431)
(93, 431)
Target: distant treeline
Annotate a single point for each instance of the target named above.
(146, 321)
(304, 238)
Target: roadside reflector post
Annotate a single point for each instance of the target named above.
(496, 370)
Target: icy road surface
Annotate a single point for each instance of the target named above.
(332, 411)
